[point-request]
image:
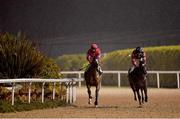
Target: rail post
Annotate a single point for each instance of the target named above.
(67, 93)
(29, 93)
(43, 92)
(119, 79)
(54, 90)
(60, 90)
(158, 84)
(13, 93)
(177, 80)
(79, 76)
(74, 91)
(70, 93)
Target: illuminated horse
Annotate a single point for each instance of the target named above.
(137, 81)
(93, 78)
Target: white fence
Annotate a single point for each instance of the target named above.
(70, 87)
(70, 83)
(125, 72)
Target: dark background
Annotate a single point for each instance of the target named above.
(70, 26)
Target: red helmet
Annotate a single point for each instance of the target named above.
(94, 46)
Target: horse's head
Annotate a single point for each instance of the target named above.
(137, 74)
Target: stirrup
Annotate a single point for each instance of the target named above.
(145, 76)
(100, 72)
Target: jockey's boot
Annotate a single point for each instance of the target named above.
(145, 77)
(100, 70)
(145, 74)
(144, 69)
(131, 70)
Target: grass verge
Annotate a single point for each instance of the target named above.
(19, 106)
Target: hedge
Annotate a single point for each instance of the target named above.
(20, 58)
(158, 58)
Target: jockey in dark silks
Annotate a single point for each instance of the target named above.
(138, 59)
(94, 53)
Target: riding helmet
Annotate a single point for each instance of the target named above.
(94, 46)
(139, 49)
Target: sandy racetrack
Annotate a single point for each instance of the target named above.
(114, 102)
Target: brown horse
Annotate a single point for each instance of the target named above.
(138, 83)
(93, 78)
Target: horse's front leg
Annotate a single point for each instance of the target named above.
(145, 92)
(133, 88)
(89, 93)
(134, 91)
(142, 95)
(97, 94)
(139, 97)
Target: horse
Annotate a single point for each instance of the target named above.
(137, 81)
(93, 78)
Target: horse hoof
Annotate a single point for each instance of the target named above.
(146, 100)
(140, 106)
(90, 102)
(95, 103)
(96, 106)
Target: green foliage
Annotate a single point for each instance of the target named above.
(19, 57)
(71, 62)
(19, 106)
(6, 107)
(158, 58)
(163, 58)
(117, 60)
(50, 69)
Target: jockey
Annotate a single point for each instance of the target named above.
(94, 52)
(138, 58)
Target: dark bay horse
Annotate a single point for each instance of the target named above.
(93, 78)
(137, 81)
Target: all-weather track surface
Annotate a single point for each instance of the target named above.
(113, 103)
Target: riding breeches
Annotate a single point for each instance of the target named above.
(99, 69)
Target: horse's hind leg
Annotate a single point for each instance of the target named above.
(89, 93)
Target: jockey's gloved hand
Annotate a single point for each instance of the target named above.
(97, 60)
(141, 59)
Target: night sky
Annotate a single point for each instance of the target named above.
(70, 26)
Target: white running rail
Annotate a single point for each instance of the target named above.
(125, 72)
(70, 86)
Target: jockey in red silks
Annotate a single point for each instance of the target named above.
(94, 53)
(138, 58)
